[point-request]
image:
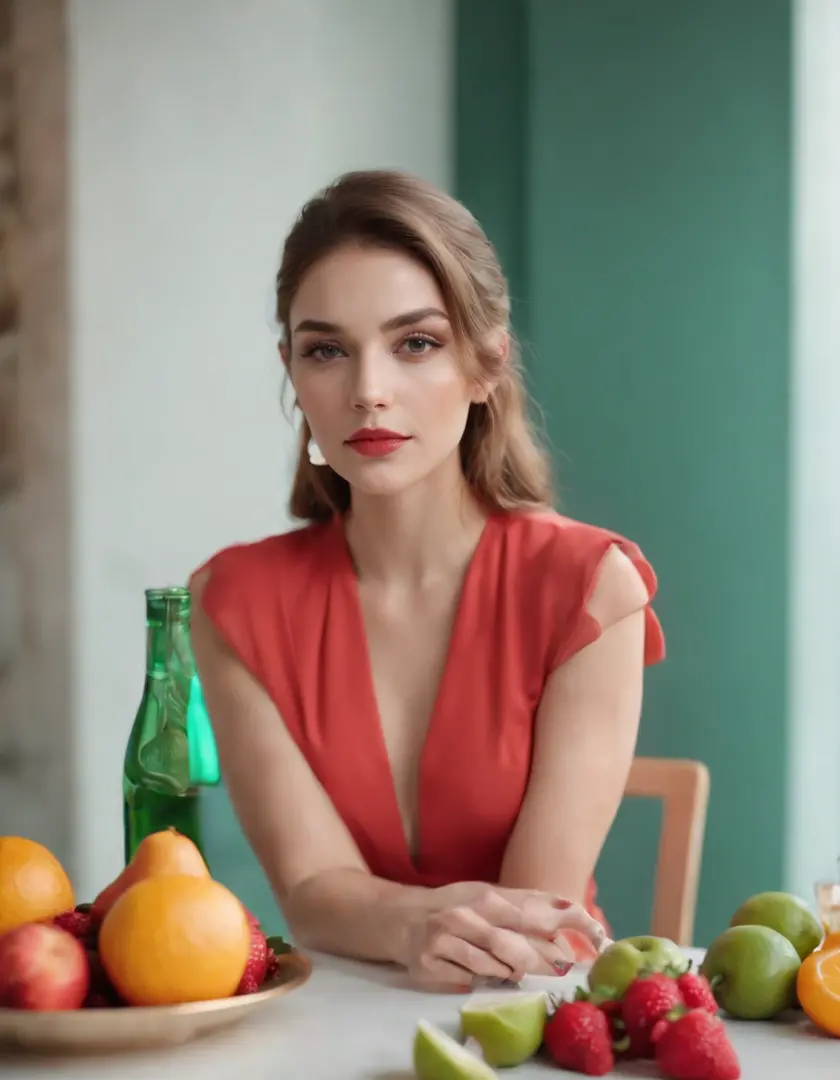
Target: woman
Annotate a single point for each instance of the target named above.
(426, 700)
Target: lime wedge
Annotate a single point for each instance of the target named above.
(439, 1057)
(509, 1028)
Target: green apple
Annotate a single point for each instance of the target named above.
(787, 914)
(752, 971)
(437, 1056)
(620, 963)
(509, 1029)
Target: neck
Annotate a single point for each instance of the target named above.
(419, 536)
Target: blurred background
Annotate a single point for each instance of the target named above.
(662, 181)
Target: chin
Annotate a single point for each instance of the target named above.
(379, 481)
(393, 475)
(379, 476)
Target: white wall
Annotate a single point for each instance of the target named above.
(814, 813)
(197, 129)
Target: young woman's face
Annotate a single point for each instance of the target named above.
(376, 370)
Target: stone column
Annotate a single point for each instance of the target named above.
(36, 744)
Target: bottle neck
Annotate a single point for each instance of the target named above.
(168, 650)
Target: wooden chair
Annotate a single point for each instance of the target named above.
(683, 788)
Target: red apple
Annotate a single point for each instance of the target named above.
(42, 968)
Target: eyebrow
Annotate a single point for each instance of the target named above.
(409, 318)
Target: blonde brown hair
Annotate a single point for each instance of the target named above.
(501, 459)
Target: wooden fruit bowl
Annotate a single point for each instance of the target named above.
(133, 1028)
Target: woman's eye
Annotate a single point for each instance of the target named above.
(419, 346)
(323, 352)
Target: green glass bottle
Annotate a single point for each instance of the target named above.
(160, 785)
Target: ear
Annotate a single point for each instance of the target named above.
(498, 346)
(283, 349)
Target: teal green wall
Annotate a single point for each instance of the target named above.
(631, 159)
(232, 862)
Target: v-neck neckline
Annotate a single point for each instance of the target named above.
(373, 729)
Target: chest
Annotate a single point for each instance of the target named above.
(407, 638)
(417, 715)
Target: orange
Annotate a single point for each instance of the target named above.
(175, 938)
(818, 989)
(33, 883)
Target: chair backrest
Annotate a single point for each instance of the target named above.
(683, 788)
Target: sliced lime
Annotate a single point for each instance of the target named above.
(508, 1028)
(437, 1056)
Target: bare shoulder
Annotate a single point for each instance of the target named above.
(618, 590)
(198, 583)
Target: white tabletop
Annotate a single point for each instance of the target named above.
(356, 1022)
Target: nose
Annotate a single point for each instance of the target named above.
(370, 388)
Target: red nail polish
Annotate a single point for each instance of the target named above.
(563, 969)
(562, 905)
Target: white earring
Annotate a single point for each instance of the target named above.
(314, 452)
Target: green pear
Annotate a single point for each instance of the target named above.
(787, 914)
(620, 963)
(752, 971)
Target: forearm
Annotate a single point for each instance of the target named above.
(349, 912)
(521, 873)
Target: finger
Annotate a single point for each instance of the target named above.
(438, 975)
(538, 919)
(578, 919)
(466, 930)
(557, 957)
(551, 913)
(508, 947)
(548, 910)
(471, 957)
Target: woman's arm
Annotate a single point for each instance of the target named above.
(331, 900)
(585, 739)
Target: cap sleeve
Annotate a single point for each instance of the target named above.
(588, 549)
(224, 584)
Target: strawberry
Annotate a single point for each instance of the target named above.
(273, 966)
(696, 992)
(610, 1006)
(612, 1010)
(78, 923)
(578, 1037)
(248, 985)
(97, 1000)
(101, 989)
(647, 999)
(694, 1045)
(257, 964)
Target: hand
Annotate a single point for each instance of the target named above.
(477, 930)
(589, 938)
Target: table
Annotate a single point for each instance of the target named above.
(356, 1021)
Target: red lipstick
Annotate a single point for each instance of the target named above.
(376, 442)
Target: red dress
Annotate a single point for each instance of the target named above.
(289, 607)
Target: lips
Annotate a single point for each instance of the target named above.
(376, 442)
